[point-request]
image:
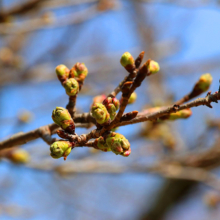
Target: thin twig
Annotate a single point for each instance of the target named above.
(164, 111)
(71, 105)
(22, 138)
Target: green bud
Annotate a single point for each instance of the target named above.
(185, 113)
(60, 149)
(62, 72)
(102, 145)
(204, 82)
(100, 113)
(132, 98)
(19, 156)
(153, 67)
(62, 117)
(126, 153)
(118, 144)
(71, 86)
(79, 71)
(127, 61)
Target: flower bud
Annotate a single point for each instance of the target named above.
(79, 72)
(19, 156)
(71, 86)
(62, 117)
(102, 145)
(185, 113)
(118, 144)
(100, 113)
(126, 153)
(132, 98)
(112, 105)
(62, 72)
(60, 149)
(204, 82)
(127, 61)
(153, 67)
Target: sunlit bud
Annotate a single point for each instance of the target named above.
(118, 144)
(71, 86)
(62, 72)
(79, 71)
(100, 113)
(127, 61)
(153, 67)
(204, 82)
(60, 149)
(62, 117)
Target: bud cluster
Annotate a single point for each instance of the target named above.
(79, 72)
(128, 62)
(112, 105)
(115, 142)
(72, 79)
